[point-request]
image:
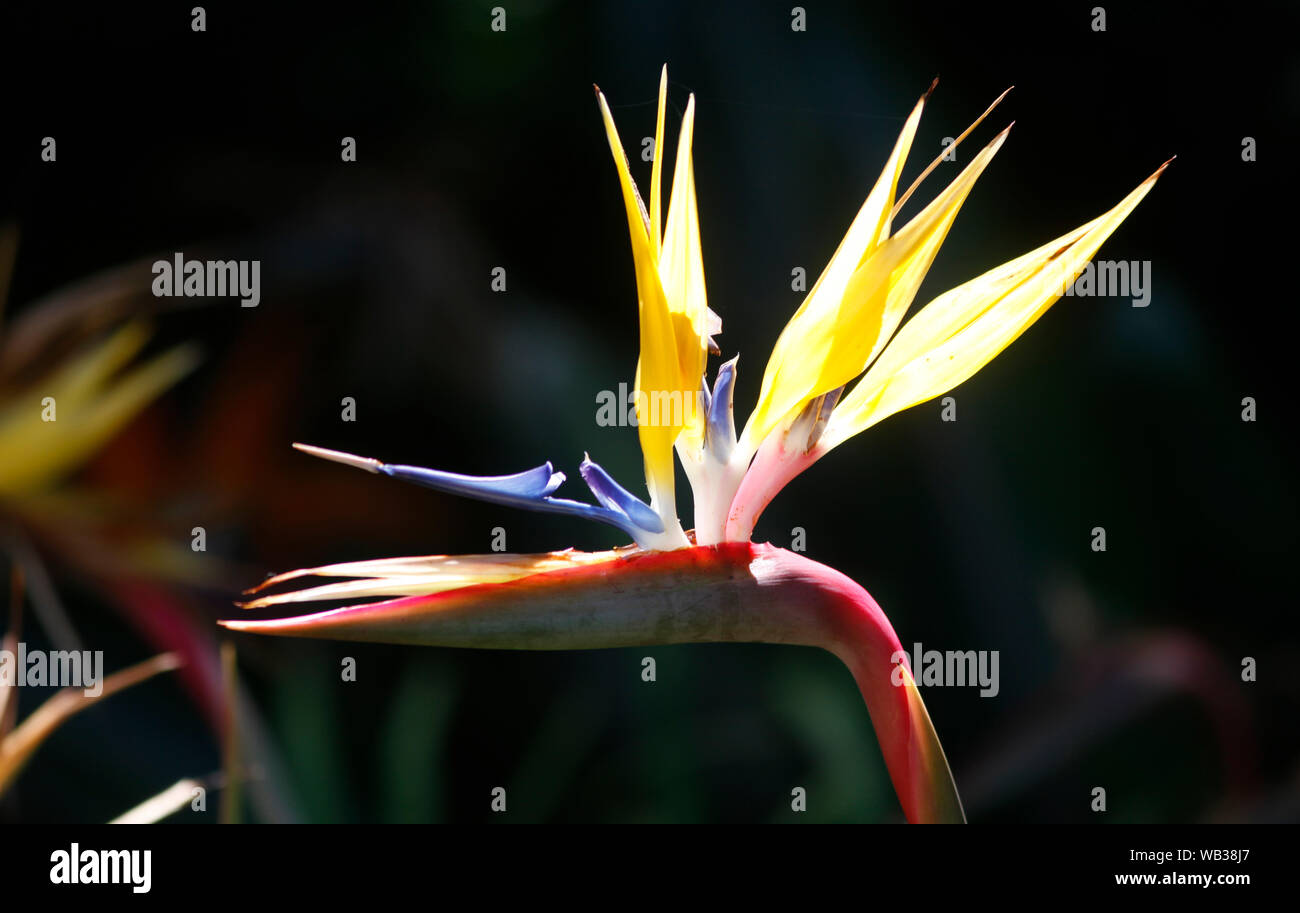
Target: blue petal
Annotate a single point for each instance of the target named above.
(721, 430)
(591, 512)
(616, 497)
(529, 490)
(520, 489)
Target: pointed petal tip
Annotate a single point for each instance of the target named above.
(266, 582)
(338, 456)
(934, 84)
(264, 626)
(996, 143)
(273, 579)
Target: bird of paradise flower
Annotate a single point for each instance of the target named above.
(713, 584)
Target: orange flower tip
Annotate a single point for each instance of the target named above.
(167, 662)
(337, 456)
(934, 84)
(265, 626)
(273, 579)
(270, 578)
(252, 590)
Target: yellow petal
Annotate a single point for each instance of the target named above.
(657, 167)
(84, 377)
(89, 409)
(802, 346)
(657, 368)
(964, 329)
(884, 287)
(832, 341)
(681, 270)
(947, 152)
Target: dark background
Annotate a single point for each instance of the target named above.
(479, 149)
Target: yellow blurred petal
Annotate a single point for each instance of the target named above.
(72, 384)
(792, 370)
(964, 329)
(34, 453)
(85, 375)
(74, 314)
